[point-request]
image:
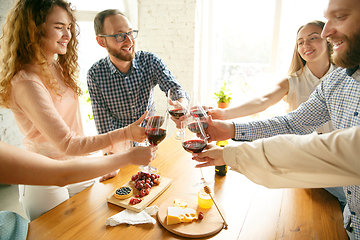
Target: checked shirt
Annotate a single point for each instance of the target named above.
(119, 99)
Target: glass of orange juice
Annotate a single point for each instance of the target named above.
(204, 200)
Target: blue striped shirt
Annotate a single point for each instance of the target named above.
(119, 99)
(337, 98)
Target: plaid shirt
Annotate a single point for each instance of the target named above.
(119, 99)
(337, 98)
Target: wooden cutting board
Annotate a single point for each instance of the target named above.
(154, 193)
(210, 225)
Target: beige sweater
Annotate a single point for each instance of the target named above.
(293, 161)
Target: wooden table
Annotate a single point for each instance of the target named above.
(252, 211)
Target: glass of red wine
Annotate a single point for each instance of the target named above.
(199, 109)
(155, 130)
(200, 117)
(177, 106)
(194, 141)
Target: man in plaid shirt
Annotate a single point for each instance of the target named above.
(327, 160)
(121, 85)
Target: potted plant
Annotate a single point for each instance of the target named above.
(223, 96)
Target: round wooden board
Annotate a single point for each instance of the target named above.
(210, 225)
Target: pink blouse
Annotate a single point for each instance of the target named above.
(52, 124)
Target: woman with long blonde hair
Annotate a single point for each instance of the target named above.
(38, 82)
(310, 64)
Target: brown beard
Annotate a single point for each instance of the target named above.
(117, 53)
(351, 57)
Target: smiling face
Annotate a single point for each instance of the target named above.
(310, 45)
(343, 31)
(57, 32)
(124, 51)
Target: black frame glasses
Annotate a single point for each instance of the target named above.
(120, 37)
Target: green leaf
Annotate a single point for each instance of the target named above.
(223, 95)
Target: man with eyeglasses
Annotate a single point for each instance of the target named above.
(121, 85)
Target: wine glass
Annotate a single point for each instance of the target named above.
(155, 130)
(198, 107)
(194, 139)
(177, 106)
(200, 117)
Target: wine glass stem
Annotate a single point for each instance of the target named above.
(149, 167)
(179, 133)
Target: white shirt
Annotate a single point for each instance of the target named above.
(300, 88)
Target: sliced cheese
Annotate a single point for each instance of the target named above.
(177, 203)
(177, 215)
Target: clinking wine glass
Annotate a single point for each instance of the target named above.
(198, 107)
(155, 130)
(199, 117)
(177, 106)
(199, 111)
(199, 114)
(194, 142)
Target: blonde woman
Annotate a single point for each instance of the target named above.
(310, 64)
(38, 82)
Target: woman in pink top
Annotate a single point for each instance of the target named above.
(38, 82)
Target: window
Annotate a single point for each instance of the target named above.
(89, 50)
(252, 43)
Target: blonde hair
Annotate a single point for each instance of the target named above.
(297, 61)
(20, 44)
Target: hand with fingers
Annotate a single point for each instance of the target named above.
(219, 130)
(211, 156)
(138, 132)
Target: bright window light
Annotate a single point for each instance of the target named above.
(89, 50)
(253, 44)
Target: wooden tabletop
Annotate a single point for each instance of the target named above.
(252, 211)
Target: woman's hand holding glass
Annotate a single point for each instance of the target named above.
(213, 156)
(138, 132)
(218, 113)
(142, 155)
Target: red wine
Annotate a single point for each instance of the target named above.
(177, 113)
(155, 121)
(196, 112)
(194, 146)
(194, 127)
(155, 135)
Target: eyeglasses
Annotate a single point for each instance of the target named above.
(120, 37)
